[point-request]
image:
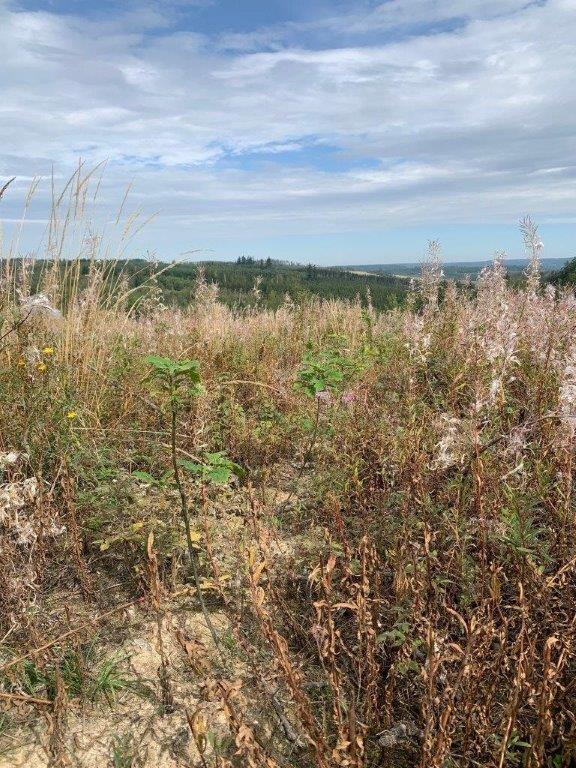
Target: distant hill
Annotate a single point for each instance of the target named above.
(237, 281)
(457, 269)
(566, 275)
(249, 282)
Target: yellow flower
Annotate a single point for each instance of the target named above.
(48, 351)
(21, 361)
(71, 415)
(41, 367)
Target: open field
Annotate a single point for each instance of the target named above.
(317, 535)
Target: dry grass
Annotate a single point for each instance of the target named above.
(397, 568)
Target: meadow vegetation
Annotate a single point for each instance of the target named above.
(347, 535)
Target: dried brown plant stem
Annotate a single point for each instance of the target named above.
(66, 635)
(184, 507)
(305, 458)
(22, 697)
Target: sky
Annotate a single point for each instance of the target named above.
(324, 131)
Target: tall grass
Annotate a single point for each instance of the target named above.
(408, 587)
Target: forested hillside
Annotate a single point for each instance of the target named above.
(566, 275)
(247, 282)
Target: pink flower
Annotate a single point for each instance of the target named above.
(348, 397)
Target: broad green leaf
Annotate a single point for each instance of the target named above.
(191, 466)
(219, 474)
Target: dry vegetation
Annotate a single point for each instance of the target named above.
(379, 568)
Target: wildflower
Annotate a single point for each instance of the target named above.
(495, 389)
(450, 448)
(48, 351)
(431, 276)
(567, 393)
(533, 246)
(41, 367)
(348, 397)
(324, 396)
(71, 415)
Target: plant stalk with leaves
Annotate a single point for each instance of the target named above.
(175, 380)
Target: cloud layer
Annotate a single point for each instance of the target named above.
(396, 113)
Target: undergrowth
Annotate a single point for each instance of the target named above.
(401, 588)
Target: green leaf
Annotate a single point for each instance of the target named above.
(191, 466)
(239, 471)
(215, 458)
(219, 474)
(188, 368)
(160, 364)
(216, 468)
(145, 477)
(179, 371)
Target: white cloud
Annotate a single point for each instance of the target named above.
(411, 13)
(473, 124)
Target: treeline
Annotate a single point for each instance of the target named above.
(566, 275)
(275, 280)
(242, 284)
(248, 281)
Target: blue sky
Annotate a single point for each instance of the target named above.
(323, 131)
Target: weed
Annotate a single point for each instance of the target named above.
(108, 679)
(124, 752)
